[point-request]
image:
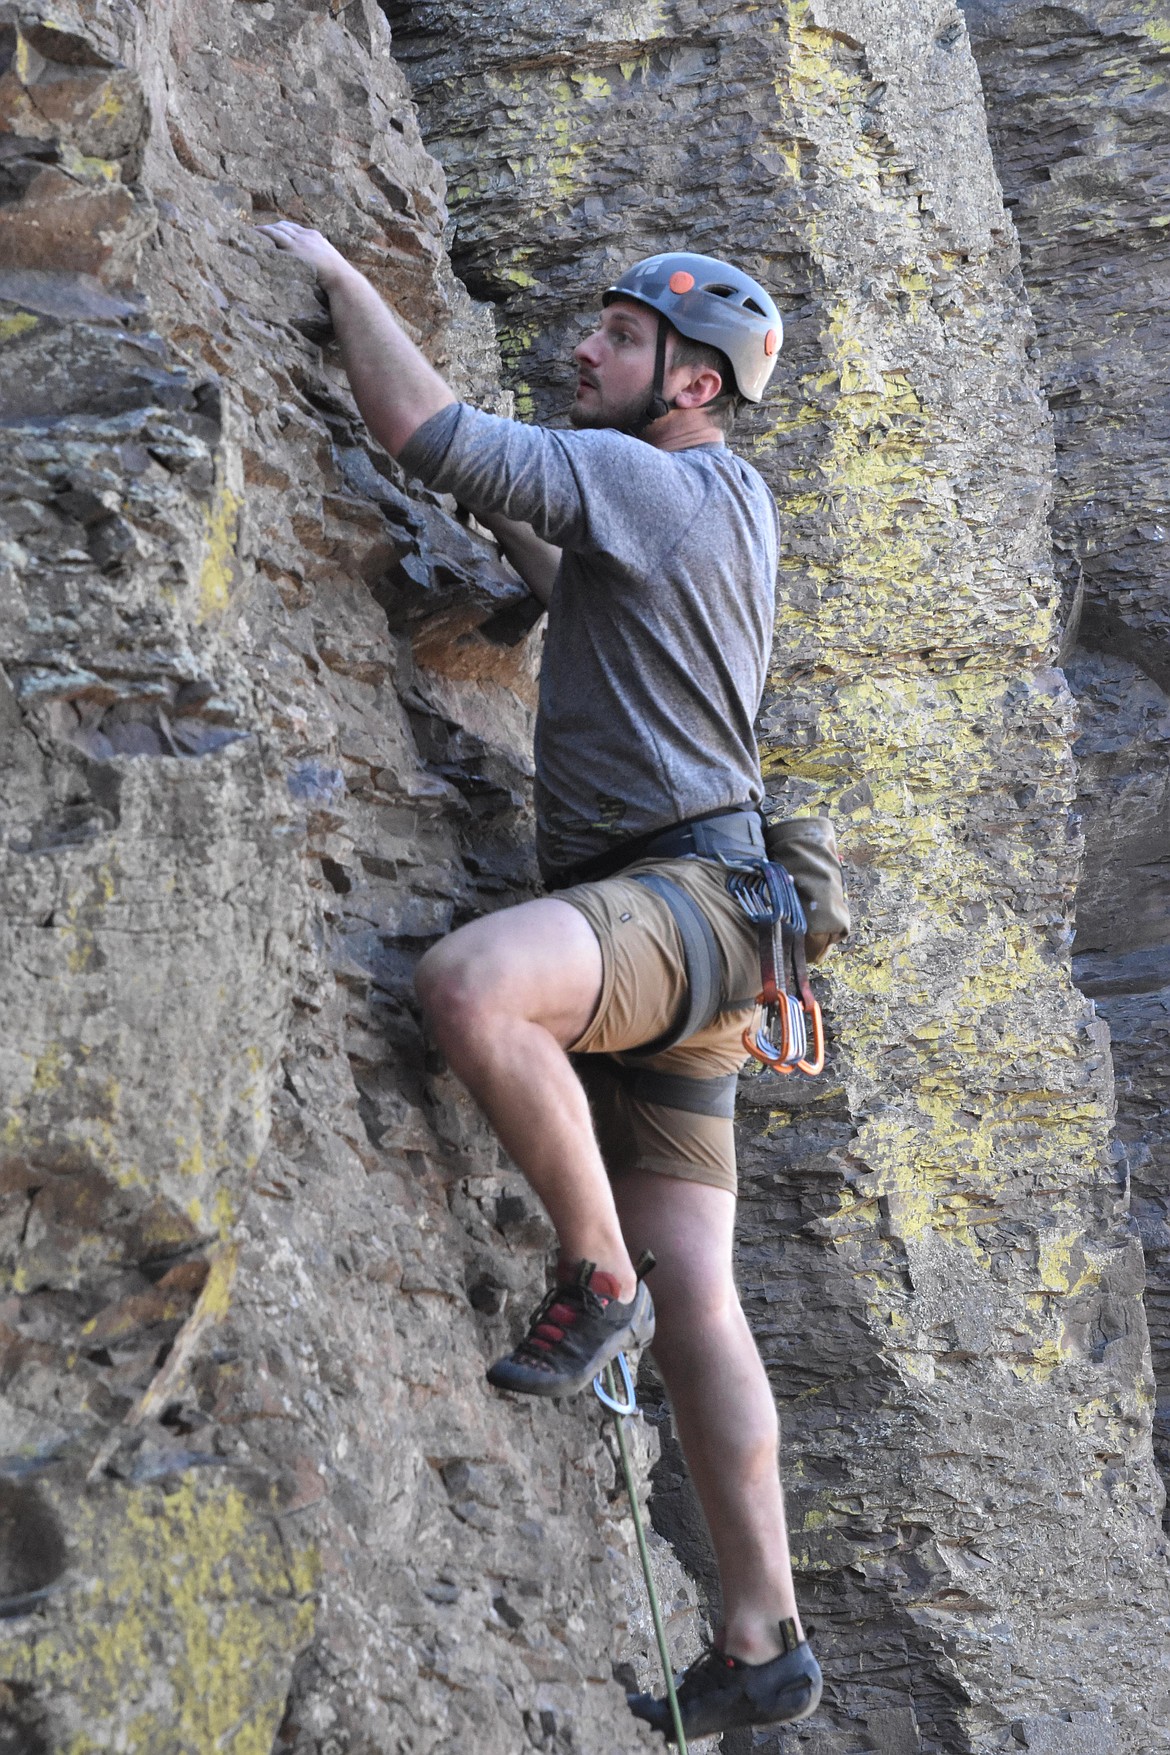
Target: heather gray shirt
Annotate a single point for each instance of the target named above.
(660, 622)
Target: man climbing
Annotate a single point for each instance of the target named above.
(654, 548)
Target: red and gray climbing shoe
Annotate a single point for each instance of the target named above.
(718, 1692)
(575, 1332)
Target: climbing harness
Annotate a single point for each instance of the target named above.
(791, 1035)
(700, 960)
(766, 893)
(736, 830)
(606, 1394)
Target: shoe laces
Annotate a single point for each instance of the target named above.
(711, 1668)
(559, 1309)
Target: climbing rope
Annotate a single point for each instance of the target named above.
(607, 1396)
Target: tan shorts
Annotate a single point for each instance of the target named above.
(643, 991)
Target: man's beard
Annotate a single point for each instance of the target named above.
(629, 417)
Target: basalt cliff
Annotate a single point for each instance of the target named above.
(267, 713)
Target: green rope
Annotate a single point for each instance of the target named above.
(644, 1554)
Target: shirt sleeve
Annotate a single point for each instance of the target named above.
(581, 490)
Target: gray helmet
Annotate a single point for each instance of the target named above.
(710, 301)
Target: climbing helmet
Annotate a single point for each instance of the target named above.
(711, 302)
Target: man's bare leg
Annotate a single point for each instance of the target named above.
(504, 997)
(721, 1399)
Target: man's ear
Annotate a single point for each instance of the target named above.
(703, 386)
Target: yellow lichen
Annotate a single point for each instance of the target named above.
(22, 60)
(47, 1072)
(815, 1520)
(548, 120)
(182, 1629)
(215, 1298)
(221, 530)
(1044, 1360)
(1055, 1262)
(109, 107)
(87, 169)
(1156, 28)
(591, 86)
(18, 324)
(224, 1212)
(193, 1162)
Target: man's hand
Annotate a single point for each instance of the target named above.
(393, 383)
(311, 247)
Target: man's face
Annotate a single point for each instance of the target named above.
(615, 367)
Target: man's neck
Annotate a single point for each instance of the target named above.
(682, 428)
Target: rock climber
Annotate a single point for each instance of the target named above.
(654, 547)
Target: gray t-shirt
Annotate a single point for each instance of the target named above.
(660, 623)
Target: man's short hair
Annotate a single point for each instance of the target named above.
(721, 409)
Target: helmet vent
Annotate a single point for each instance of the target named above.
(721, 292)
(751, 305)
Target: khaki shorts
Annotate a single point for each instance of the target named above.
(643, 991)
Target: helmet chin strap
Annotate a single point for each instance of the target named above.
(656, 406)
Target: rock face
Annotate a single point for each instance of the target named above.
(255, 1249)
(267, 710)
(1079, 108)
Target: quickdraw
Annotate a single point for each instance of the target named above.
(767, 895)
(606, 1394)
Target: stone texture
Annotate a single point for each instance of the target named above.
(266, 712)
(1079, 109)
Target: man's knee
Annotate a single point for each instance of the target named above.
(538, 963)
(462, 984)
(444, 985)
(695, 1307)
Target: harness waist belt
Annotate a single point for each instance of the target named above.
(735, 832)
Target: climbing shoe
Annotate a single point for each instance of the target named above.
(574, 1333)
(718, 1692)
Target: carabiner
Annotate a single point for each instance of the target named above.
(785, 900)
(630, 1406)
(760, 1045)
(817, 1063)
(748, 886)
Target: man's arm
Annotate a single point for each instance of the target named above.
(394, 385)
(577, 490)
(536, 561)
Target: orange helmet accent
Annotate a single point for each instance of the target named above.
(681, 281)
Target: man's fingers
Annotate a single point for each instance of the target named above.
(275, 231)
(309, 246)
(286, 233)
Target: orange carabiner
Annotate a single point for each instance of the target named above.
(817, 1062)
(772, 1061)
(780, 1059)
